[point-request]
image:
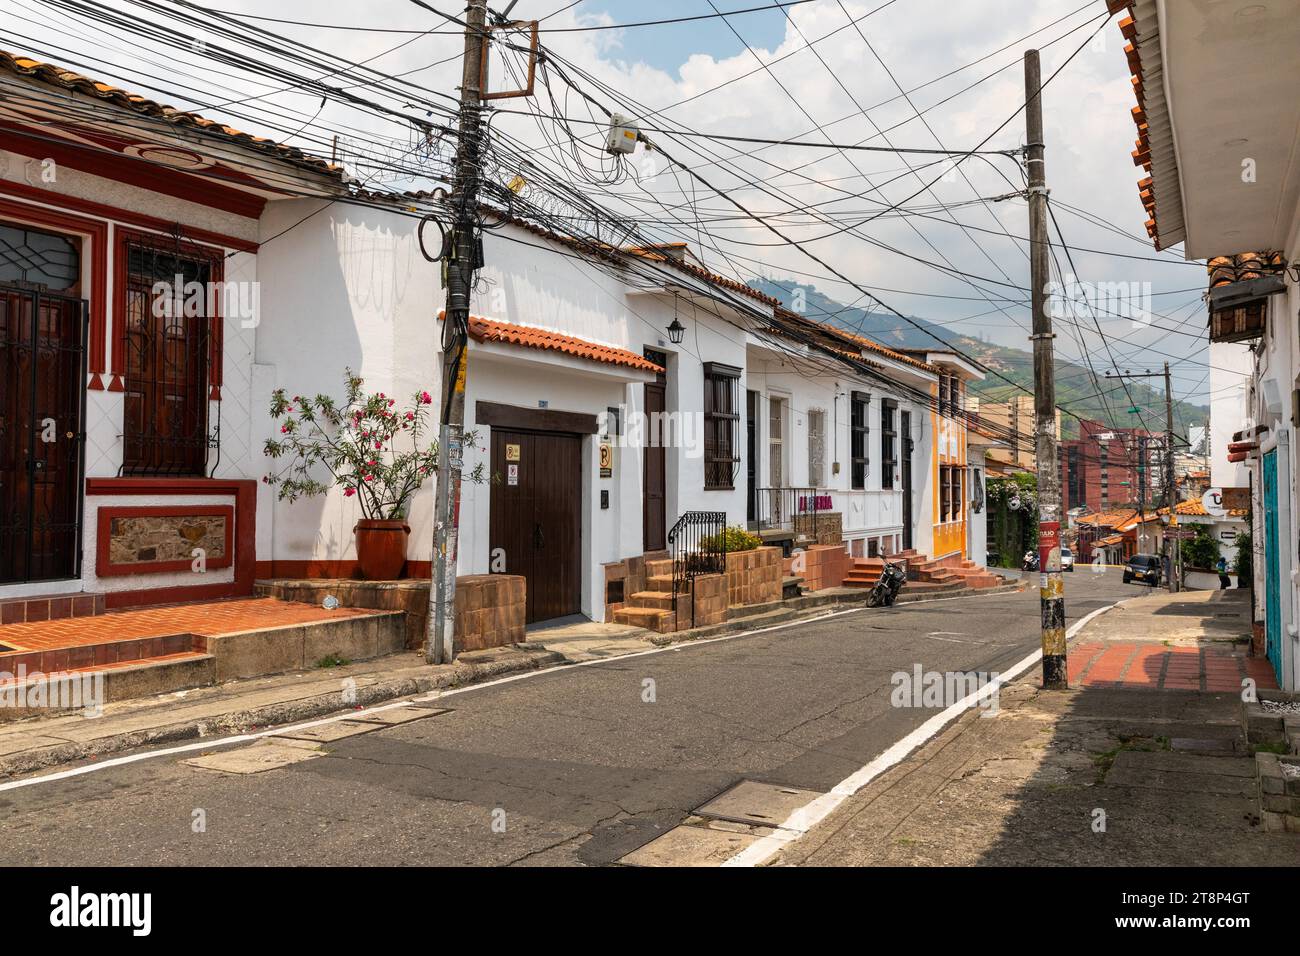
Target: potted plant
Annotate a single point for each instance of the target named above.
(378, 453)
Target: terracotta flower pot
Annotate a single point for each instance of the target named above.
(381, 548)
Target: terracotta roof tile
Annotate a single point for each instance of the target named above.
(1243, 266)
(490, 330)
(65, 79)
(869, 344)
(1195, 509)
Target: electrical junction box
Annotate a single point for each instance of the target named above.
(623, 132)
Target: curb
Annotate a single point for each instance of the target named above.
(286, 712)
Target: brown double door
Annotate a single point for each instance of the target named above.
(535, 524)
(42, 378)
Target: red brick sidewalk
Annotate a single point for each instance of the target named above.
(207, 619)
(1157, 667)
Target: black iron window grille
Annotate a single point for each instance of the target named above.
(859, 404)
(721, 420)
(31, 258)
(171, 303)
(888, 443)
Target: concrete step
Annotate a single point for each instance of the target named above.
(661, 600)
(88, 688)
(659, 567)
(791, 587)
(660, 582)
(651, 618)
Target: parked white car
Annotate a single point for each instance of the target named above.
(1067, 559)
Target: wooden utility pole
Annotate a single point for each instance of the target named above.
(461, 265)
(1051, 582)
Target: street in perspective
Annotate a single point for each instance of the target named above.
(650, 438)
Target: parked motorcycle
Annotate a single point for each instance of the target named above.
(1030, 562)
(885, 591)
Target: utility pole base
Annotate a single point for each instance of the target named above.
(1055, 673)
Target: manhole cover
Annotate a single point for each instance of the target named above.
(760, 804)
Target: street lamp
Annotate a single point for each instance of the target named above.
(676, 331)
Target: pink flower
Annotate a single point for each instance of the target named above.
(410, 416)
(392, 402)
(426, 398)
(284, 429)
(379, 444)
(349, 492)
(370, 477)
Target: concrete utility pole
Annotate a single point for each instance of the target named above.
(439, 637)
(1051, 581)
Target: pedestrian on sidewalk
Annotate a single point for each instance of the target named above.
(1222, 567)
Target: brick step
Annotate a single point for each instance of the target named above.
(98, 653)
(659, 568)
(660, 582)
(855, 580)
(934, 576)
(661, 600)
(651, 618)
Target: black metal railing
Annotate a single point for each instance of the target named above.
(697, 545)
(790, 509)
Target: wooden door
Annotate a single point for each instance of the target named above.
(751, 455)
(535, 523)
(41, 394)
(905, 426)
(654, 511)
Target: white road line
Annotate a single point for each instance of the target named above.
(435, 695)
(810, 814)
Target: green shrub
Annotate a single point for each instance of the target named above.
(1201, 551)
(734, 538)
(1242, 567)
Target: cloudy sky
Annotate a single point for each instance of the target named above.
(906, 74)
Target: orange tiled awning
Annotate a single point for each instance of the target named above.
(490, 330)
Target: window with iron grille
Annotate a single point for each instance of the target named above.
(888, 443)
(860, 430)
(775, 440)
(945, 493)
(169, 338)
(720, 423)
(816, 448)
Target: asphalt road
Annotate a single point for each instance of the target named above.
(575, 762)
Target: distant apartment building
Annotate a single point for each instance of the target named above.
(1013, 422)
(1105, 467)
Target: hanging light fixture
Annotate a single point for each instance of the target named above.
(676, 331)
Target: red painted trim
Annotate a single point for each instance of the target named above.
(204, 190)
(98, 234)
(332, 570)
(245, 492)
(215, 331)
(104, 567)
(126, 216)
